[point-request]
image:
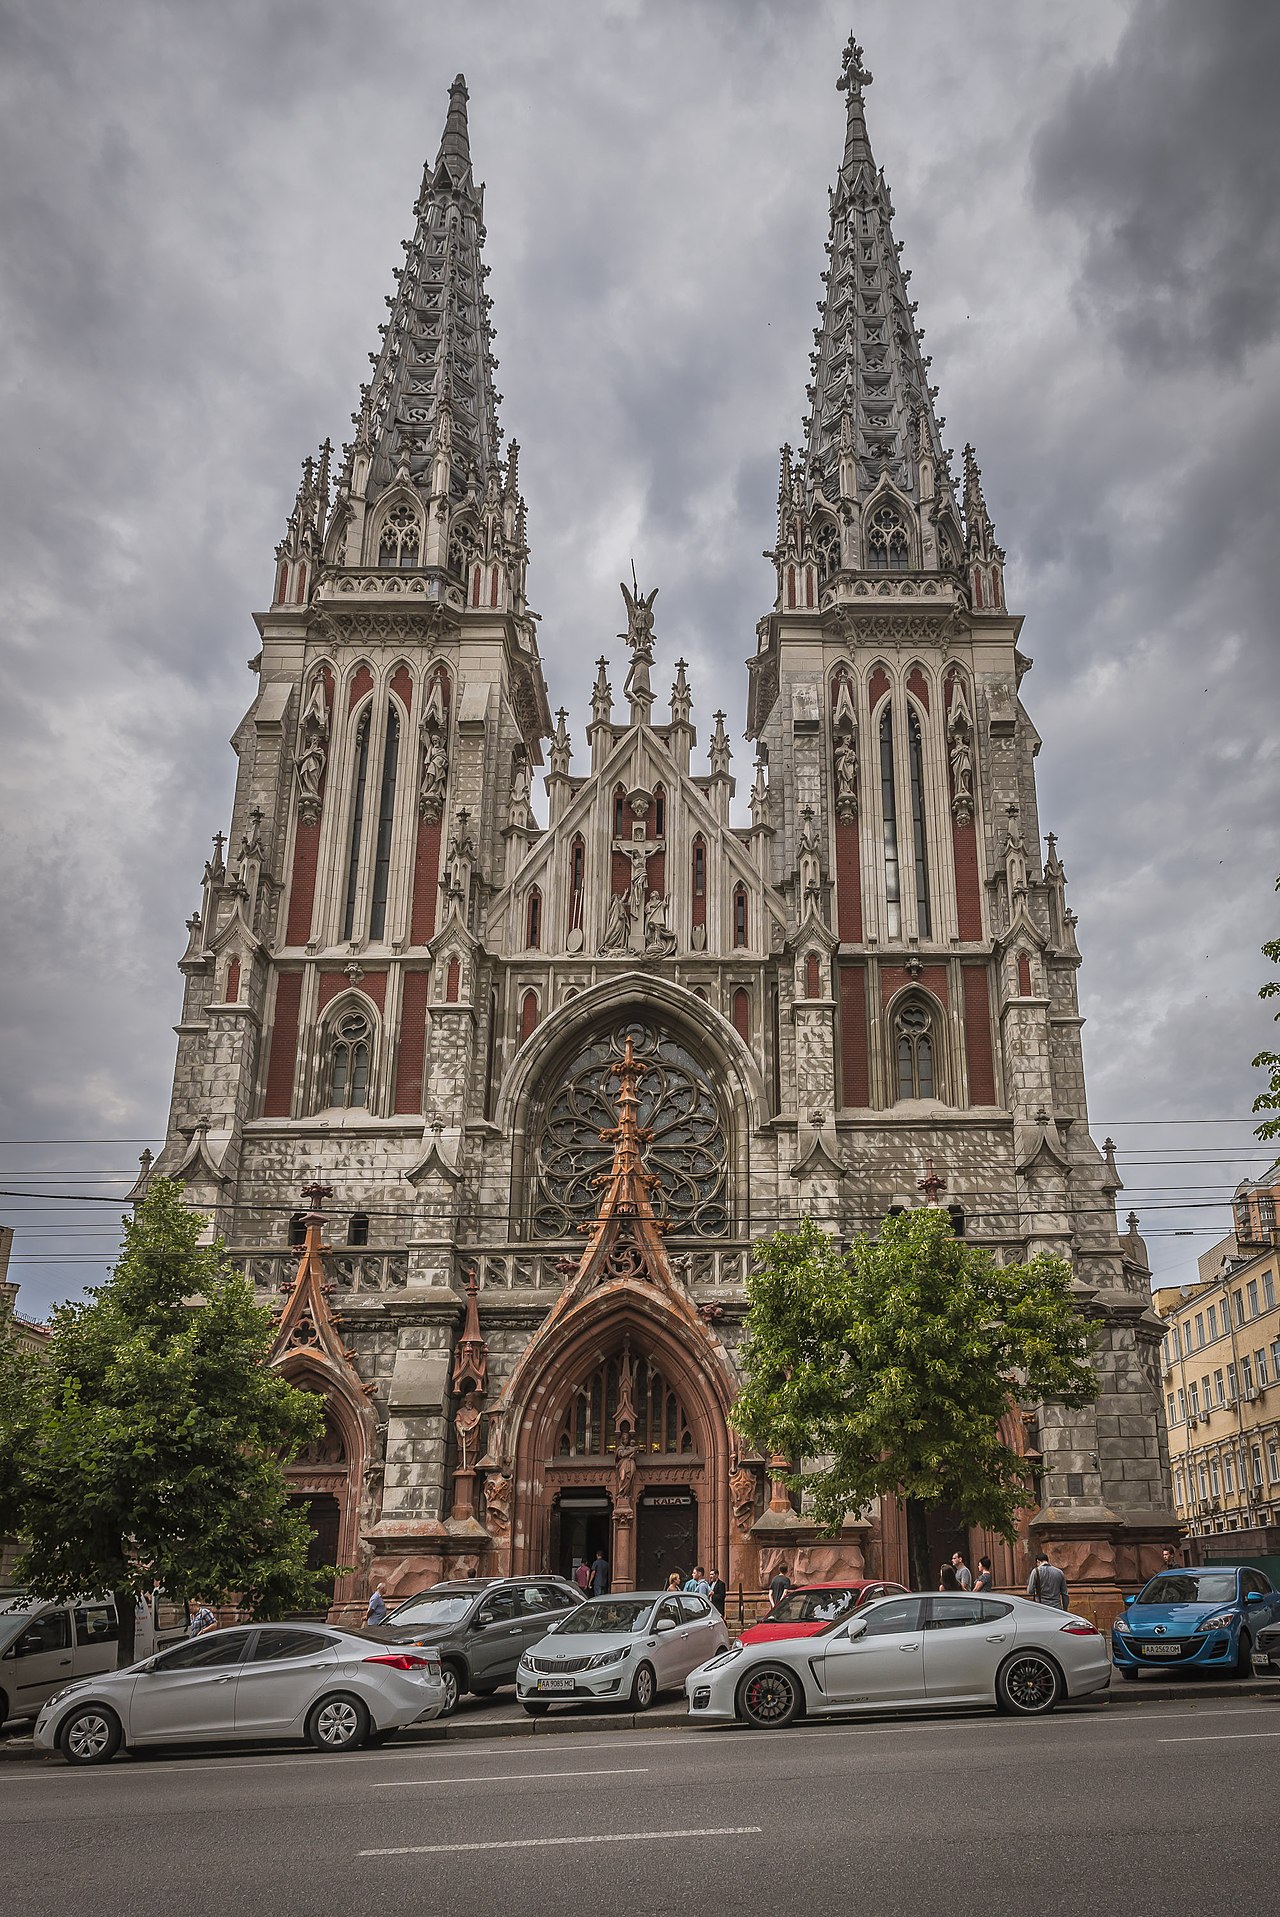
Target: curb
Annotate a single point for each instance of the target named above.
(20, 1750)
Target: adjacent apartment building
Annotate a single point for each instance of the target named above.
(1220, 1365)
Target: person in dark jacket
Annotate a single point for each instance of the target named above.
(600, 1575)
(779, 1585)
(718, 1592)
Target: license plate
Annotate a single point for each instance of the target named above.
(555, 1683)
(1162, 1650)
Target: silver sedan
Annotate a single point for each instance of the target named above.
(625, 1648)
(337, 1689)
(909, 1653)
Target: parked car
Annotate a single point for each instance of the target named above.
(42, 1646)
(1205, 1617)
(631, 1646)
(909, 1653)
(264, 1682)
(1266, 1651)
(808, 1609)
(481, 1627)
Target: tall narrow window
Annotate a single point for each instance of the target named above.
(357, 824)
(659, 812)
(349, 1060)
(699, 868)
(619, 810)
(924, 927)
(577, 882)
(386, 815)
(740, 915)
(914, 1035)
(533, 919)
(889, 811)
(886, 540)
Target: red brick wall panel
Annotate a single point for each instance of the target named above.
(855, 1076)
(413, 1043)
(284, 1046)
(302, 888)
(848, 883)
(977, 1036)
(964, 845)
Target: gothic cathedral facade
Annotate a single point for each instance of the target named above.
(545, 1084)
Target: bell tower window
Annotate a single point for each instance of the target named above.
(740, 915)
(400, 539)
(386, 816)
(889, 817)
(357, 824)
(915, 755)
(887, 546)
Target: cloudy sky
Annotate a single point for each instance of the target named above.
(201, 208)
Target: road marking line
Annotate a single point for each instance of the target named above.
(552, 1843)
(1217, 1737)
(506, 1777)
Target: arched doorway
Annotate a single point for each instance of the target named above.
(623, 1445)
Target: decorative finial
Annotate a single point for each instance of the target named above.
(853, 74)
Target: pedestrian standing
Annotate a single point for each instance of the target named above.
(581, 1574)
(376, 1610)
(964, 1576)
(202, 1619)
(984, 1580)
(600, 1575)
(1169, 1559)
(675, 1582)
(697, 1582)
(1046, 1584)
(779, 1585)
(718, 1593)
(948, 1581)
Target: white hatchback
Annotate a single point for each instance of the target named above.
(910, 1653)
(624, 1648)
(270, 1682)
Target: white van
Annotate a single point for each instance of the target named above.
(46, 1646)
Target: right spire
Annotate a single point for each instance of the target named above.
(871, 427)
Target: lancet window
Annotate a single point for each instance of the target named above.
(350, 1053)
(357, 823)
(577, 881)
(533, 918)
(589, 1426)
(887, 546)
(826, 548)
(386, 816)
(916, 1050)
(740, 919)
(889, 821)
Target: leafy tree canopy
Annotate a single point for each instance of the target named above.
(1269, 1101)
(146, 1443)
(891, 1365)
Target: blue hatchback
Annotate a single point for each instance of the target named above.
(1205, 1617)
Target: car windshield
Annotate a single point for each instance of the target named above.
(434, 1612)
(616, 1616)
(811, 1607)
(1191, 1587)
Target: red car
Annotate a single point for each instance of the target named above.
(806, 1609)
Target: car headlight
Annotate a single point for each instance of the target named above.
(601, 1658)
(526, 1662)
(1222, 1622)
(1120, 1626)
(725, 1657)
(58, 1696)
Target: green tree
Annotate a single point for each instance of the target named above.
(891, 1366)
(147, 1444)
(1269, 1101)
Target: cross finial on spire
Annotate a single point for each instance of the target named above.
(854, 76)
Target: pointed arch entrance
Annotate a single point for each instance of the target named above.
(622, 1444)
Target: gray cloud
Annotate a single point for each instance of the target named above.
(201, 210)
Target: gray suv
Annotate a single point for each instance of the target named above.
(481, 1627)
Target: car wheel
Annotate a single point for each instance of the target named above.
(1243, 1666)
(338, 1723)
(644, 1688)
(1028, 1684)
(535, 1706)
(91, 1735)
(451, 1678)
(770, 1697)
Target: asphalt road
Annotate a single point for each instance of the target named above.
(1093, 1810)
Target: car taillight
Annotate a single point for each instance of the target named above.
(400, 1661)
(1078, 1627)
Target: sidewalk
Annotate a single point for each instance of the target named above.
(489, 1718)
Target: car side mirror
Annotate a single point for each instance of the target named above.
(1131, 1600)
(858, 1628)
(666, 1624)
(1253, 1597)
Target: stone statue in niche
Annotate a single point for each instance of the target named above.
(639, 636)
(461, 855)
(846, 768)
(497, 1504)
(625, 1474)
(313, 751)
(466, 1426)
(659, 939)
(810, 856)
(742, 1495)
(960, 753)
(617, 929)
(435, 770)
(1015, 860)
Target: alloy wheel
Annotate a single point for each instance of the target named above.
(1031, 1684)
(769, 1698)
(87, 1737)
(337, 1723)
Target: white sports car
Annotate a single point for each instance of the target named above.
(909, 1653)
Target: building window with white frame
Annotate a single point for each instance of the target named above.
(1251, 1292)
(350, 1052)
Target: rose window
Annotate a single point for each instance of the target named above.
(687, 1150)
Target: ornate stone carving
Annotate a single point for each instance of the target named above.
(497, 1504)
(846, 768)
(960, 753)
(435, 768)
(313, 750)
(466, 1429)
(659, 939)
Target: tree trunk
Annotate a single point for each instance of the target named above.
(126, 1625)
